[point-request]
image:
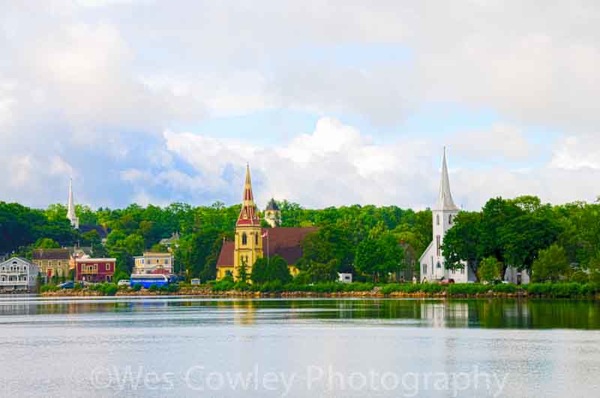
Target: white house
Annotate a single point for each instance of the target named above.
(432, 261)
(18, 274)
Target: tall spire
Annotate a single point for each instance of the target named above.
(445, 201)
(71, 215)
(248, 214)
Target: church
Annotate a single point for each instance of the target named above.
(252, 242)
(432, 261)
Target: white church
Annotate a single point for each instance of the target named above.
(432, 261)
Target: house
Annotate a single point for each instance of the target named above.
(153, 263)
(95, 270)
(52, 262)
(18, 274)
(344, 277)
(170, 242)
(252, 242)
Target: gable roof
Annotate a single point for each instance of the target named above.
(226, 254)
(284, 242)
(51, 254)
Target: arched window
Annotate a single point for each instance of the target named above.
(437, 219)
(450, 219)
(244, 239)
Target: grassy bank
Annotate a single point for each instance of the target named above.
(569, 290)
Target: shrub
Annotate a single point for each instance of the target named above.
(580, 277)
(136, 287)
(153, 288)
(223, 285)
(48, 288)
(505, 288)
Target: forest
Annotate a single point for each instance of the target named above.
(374, 243)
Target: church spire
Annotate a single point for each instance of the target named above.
(71, 215)
(248, 214)
(445, 201)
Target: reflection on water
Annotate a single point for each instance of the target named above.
(514, 314)
(99, 347)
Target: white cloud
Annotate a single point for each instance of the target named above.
(501, 141)
(578, 152)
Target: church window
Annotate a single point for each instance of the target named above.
(256, 238)
(462, 270)
(450, 219)
(244, 239)
(437, 219)
(439, 265)
(438, 245)
(424, 269)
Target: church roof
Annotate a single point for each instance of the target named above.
(248, 213)
(272, 205)
(284, 242)
(445, 201)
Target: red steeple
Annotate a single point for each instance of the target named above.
(248, 214)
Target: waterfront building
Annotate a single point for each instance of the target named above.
(18, 274)
(95, 269)
(52, 262)
(432, 261)
(153, 263)
(252, 242)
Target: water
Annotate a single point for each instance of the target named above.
(154, 347)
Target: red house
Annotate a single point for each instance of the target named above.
(95, 269)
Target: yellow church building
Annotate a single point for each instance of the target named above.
(252, 242)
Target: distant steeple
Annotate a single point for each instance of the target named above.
(71, 215)
(445, 201)
(248, 214)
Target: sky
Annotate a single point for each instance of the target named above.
(330, 102)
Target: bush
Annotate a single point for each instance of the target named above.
(505, 288)
(137, 287)
(470, 289)
(48, 288)
(223, 285)
(153, 288)
(580, 277)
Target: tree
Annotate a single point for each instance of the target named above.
(243, 272)
(463, 243)
(489, 270)
(271, 270)
(46, 243)
(551, 264)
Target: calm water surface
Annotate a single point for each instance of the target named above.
(154, 347)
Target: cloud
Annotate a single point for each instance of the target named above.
(501, 141)
(115, 101)
(577, 153)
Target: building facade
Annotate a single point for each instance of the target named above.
(153, 263)
(52, 262)
(432, 261)
(95, 270)
(273, 214)
(252, 242)
(18, 274)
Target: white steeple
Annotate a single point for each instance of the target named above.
(71, 208)
(445, 201)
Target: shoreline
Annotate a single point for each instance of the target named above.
(207, 293)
